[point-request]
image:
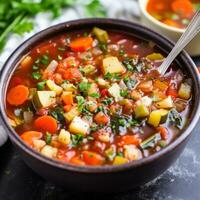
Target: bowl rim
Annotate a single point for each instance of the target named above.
(143, 4)
(9, 65)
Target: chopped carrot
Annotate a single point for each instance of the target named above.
(81, 44)
(67, 99)
(163, 132)
(77, 161)
(67, 108)
(199, 69)
(29, 136)
(183, 8)
(92, 158)
(46, 123)
(129, 139)
(101, 118)
(17, 95)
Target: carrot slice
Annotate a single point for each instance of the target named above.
(183, 7)
(199, 69)
(67, 108)
(101, 118)
(81, 44)
(67, 99)
(163, 132)
(92, 158)
(46, 123)
(170, 22)
(29, 136)
(77, 161)
(18, 95)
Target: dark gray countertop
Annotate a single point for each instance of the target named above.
(180, 182)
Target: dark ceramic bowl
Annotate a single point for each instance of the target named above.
(106, 178)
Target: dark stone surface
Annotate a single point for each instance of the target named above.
(180, 182)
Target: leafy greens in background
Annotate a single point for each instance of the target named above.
(15, 15)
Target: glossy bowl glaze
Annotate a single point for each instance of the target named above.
(193, 48)
(101, 178)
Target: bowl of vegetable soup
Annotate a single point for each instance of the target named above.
(86, 108)
(170, 18)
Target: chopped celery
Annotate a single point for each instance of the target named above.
(151, 141)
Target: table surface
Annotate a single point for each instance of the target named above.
(180, 182)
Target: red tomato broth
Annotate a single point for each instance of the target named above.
(117, 130)
(176, 13)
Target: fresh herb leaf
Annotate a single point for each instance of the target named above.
(130, 82)
(123, 93)
(76, 139)
(107, 101)
(57, 113)
(84, 87)
(36, 75)
(175, 119)
(80, 102)
(41, 85)
(44, 59)
(151, 141)
(109, 76)
(95, 95)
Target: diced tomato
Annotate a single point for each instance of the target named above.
(101, 118)
(67, 108)
(81, 44)
(92, 158)
(16, 80)
(129, 139)
(71, 73)
(171, 91)
(104, 92)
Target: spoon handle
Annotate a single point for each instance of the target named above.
(192, 30)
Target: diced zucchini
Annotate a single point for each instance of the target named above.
(64, 137)
(88, 69)
(120, 160)
(141, 111)
(49, 151)
(165, 103)
(155, 117)
(184, 91)
(69, 87)
(101, 34)
(155, 56)
(52, 86)
(112, 65)
(69, 116)
(114, 91)
(151, 141)
(43, 99)
(79, 126)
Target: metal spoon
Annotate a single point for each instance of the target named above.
(192, 30)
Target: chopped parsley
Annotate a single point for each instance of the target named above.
(130, 82)
(41, 85)
(123, 93)
(84, 87)
(80, 102)
(107, 101)
(44, 59)
(36, 75)
(95, 95)
(109, 76)
(76, 139)
(175, 119)
(48, 138)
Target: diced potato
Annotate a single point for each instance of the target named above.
(120, 160)
(101, 34)
(64, 137)
(166, 103)
(49, 151)
(43, 99)
(146, 101)
(79, 126)
(141, 111)
(38, 144)
(69, 87)
(69, 116)
(155, 117)
(155, 56)
(52, 86)
(114, 91)
(132, 153)
(112, 65)
(184, 91)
